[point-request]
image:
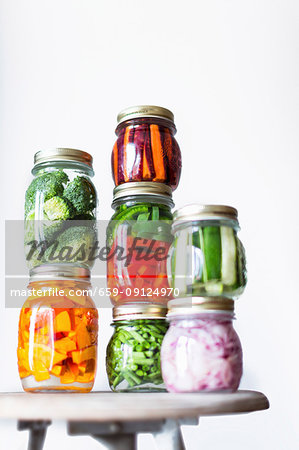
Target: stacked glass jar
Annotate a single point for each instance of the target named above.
(146, 166)
(58, 324)
(201, 350)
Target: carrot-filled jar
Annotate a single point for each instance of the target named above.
(58, 331)
(139, 237)
(146, 149)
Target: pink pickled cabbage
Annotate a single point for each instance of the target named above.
(201, 355)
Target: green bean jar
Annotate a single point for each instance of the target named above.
(206, 257)
(60, 209)
(133, 353)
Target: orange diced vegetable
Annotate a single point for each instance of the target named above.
(47, 355)
(56, 370)
(73, 367)
(62, 322)
(83, 355)
(40, 371)
(67, 377)
(83, 336)
(65, 345)
(82, 367)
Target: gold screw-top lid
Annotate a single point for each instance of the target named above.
(142, 188)
(196, 212)
(195, 305)
(134, 112)
(59, 272)
(63, 154)
(135, 311)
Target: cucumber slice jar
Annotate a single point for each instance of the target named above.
(206, 257)
(146, 149)
(60, 209)
(139, 237)
(133, 353)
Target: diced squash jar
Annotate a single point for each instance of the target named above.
(58, 331)
(60, 209)
(201, 350)
(206, 257)
(139, 237)
(146, 149)
(133, 353)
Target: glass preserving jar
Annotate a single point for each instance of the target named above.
(206, 257)
(201, 350)
(146, 149)
(58, 331)
(60, 209)
(139, 237)
(133, 352)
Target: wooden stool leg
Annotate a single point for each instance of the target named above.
(37, 432)
(118, 442)
(170, 436)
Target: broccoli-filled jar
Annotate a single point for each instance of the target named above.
(201, 350)
(58, 331)
(60, 209)
(139, 237)
(146, 149)
(133, 353)
(207, 258)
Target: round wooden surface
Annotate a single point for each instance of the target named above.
(109, 406)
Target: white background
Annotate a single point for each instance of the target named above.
(229, 71)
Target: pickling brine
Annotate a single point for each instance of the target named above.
(207, 257)
(146, 149)
(201, 351)
(58, 332)
(139, 237)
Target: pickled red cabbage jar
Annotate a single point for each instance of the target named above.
(133, 352)
(139, 237)
(206, 257)
(58, 332)
(201, 350)
(60, 209)
(146, 149)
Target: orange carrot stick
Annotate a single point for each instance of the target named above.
(115, 163)
(126, 141)
(157, 153)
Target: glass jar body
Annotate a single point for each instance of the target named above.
(146, 150)
(201, 353)
(208, 259)
(60, 215)
(57, 345)
(133, 355)
(139, 237)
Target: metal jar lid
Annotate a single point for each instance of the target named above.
(134, 112)
(142, 188)
(59, 272)
(195, 305)
(63, 154)
(196, 212)
(135, 311)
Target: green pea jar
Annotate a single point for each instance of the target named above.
(133, 352)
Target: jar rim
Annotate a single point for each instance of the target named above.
(59, 272)
(199, 305)
(143, 188)
(200, 212)
(143, 111)
(135, 311)
(63, 154)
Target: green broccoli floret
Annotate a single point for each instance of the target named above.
(81, 193)
(58, 208)
(47, 185)
(74, 245)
